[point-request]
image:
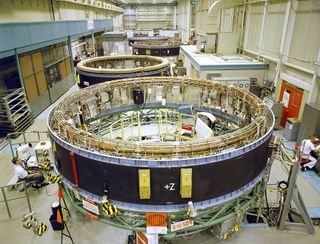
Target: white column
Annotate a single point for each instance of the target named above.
(283, 41)
(262, 26)
(315, 88)
(189, 12)
(247, 28)
(240, 46)
(93, 44)
(175, 17)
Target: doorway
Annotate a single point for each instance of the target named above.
(291, 98)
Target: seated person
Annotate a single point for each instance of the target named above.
(30, 176)
(309, 152)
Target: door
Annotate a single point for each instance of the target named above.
(291, 98)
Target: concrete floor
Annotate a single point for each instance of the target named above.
(84, 230)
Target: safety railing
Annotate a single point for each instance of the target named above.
(18, 138)
(6, 198)
(15, 140)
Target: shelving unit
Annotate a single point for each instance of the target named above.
(15, 112)
(9, 76)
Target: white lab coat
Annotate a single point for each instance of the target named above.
(306, 147)
(20, 172)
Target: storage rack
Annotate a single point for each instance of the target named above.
(15, 112)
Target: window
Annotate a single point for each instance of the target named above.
(296, 101)
(53, 75)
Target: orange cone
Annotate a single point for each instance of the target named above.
(59, 218)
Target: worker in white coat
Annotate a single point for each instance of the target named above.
(309, 151)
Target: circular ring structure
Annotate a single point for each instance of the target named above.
(158, 48)
(134, 39)
(106, 68)
(155, 143)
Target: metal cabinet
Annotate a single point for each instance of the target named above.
(291, 129)
(310, 124)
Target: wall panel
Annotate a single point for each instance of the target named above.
(306, 35)
(41, 82)
(26, 66)
(184, 19)
(31, 88)
(273, 29)
(253, 27)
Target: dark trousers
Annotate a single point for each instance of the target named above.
(38, 178)
(314, 155)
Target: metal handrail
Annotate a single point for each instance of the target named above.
(11, 137)
(7, 200)
(14, 136)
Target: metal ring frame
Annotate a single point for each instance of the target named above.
(254, 119)
(257, 129)
(157, 44)
(148, 63)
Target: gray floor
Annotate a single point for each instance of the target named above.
(84, 230)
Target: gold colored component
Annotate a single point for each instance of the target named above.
(186, 183)
(144, 183)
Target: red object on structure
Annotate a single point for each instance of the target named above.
(74, 170)
(60, 195)
(185, 127)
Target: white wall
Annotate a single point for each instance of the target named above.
(295, 25)
(284, 34)
(41, 10)
(183, 19)
(202, 22)
(147, 17)
(290, 39)
(23, 11)
(305, 40)
(318, 88)
(271, 36)
(228, 41)
(118, 23)
(207, 19)
(253, 27)
(258, 74)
